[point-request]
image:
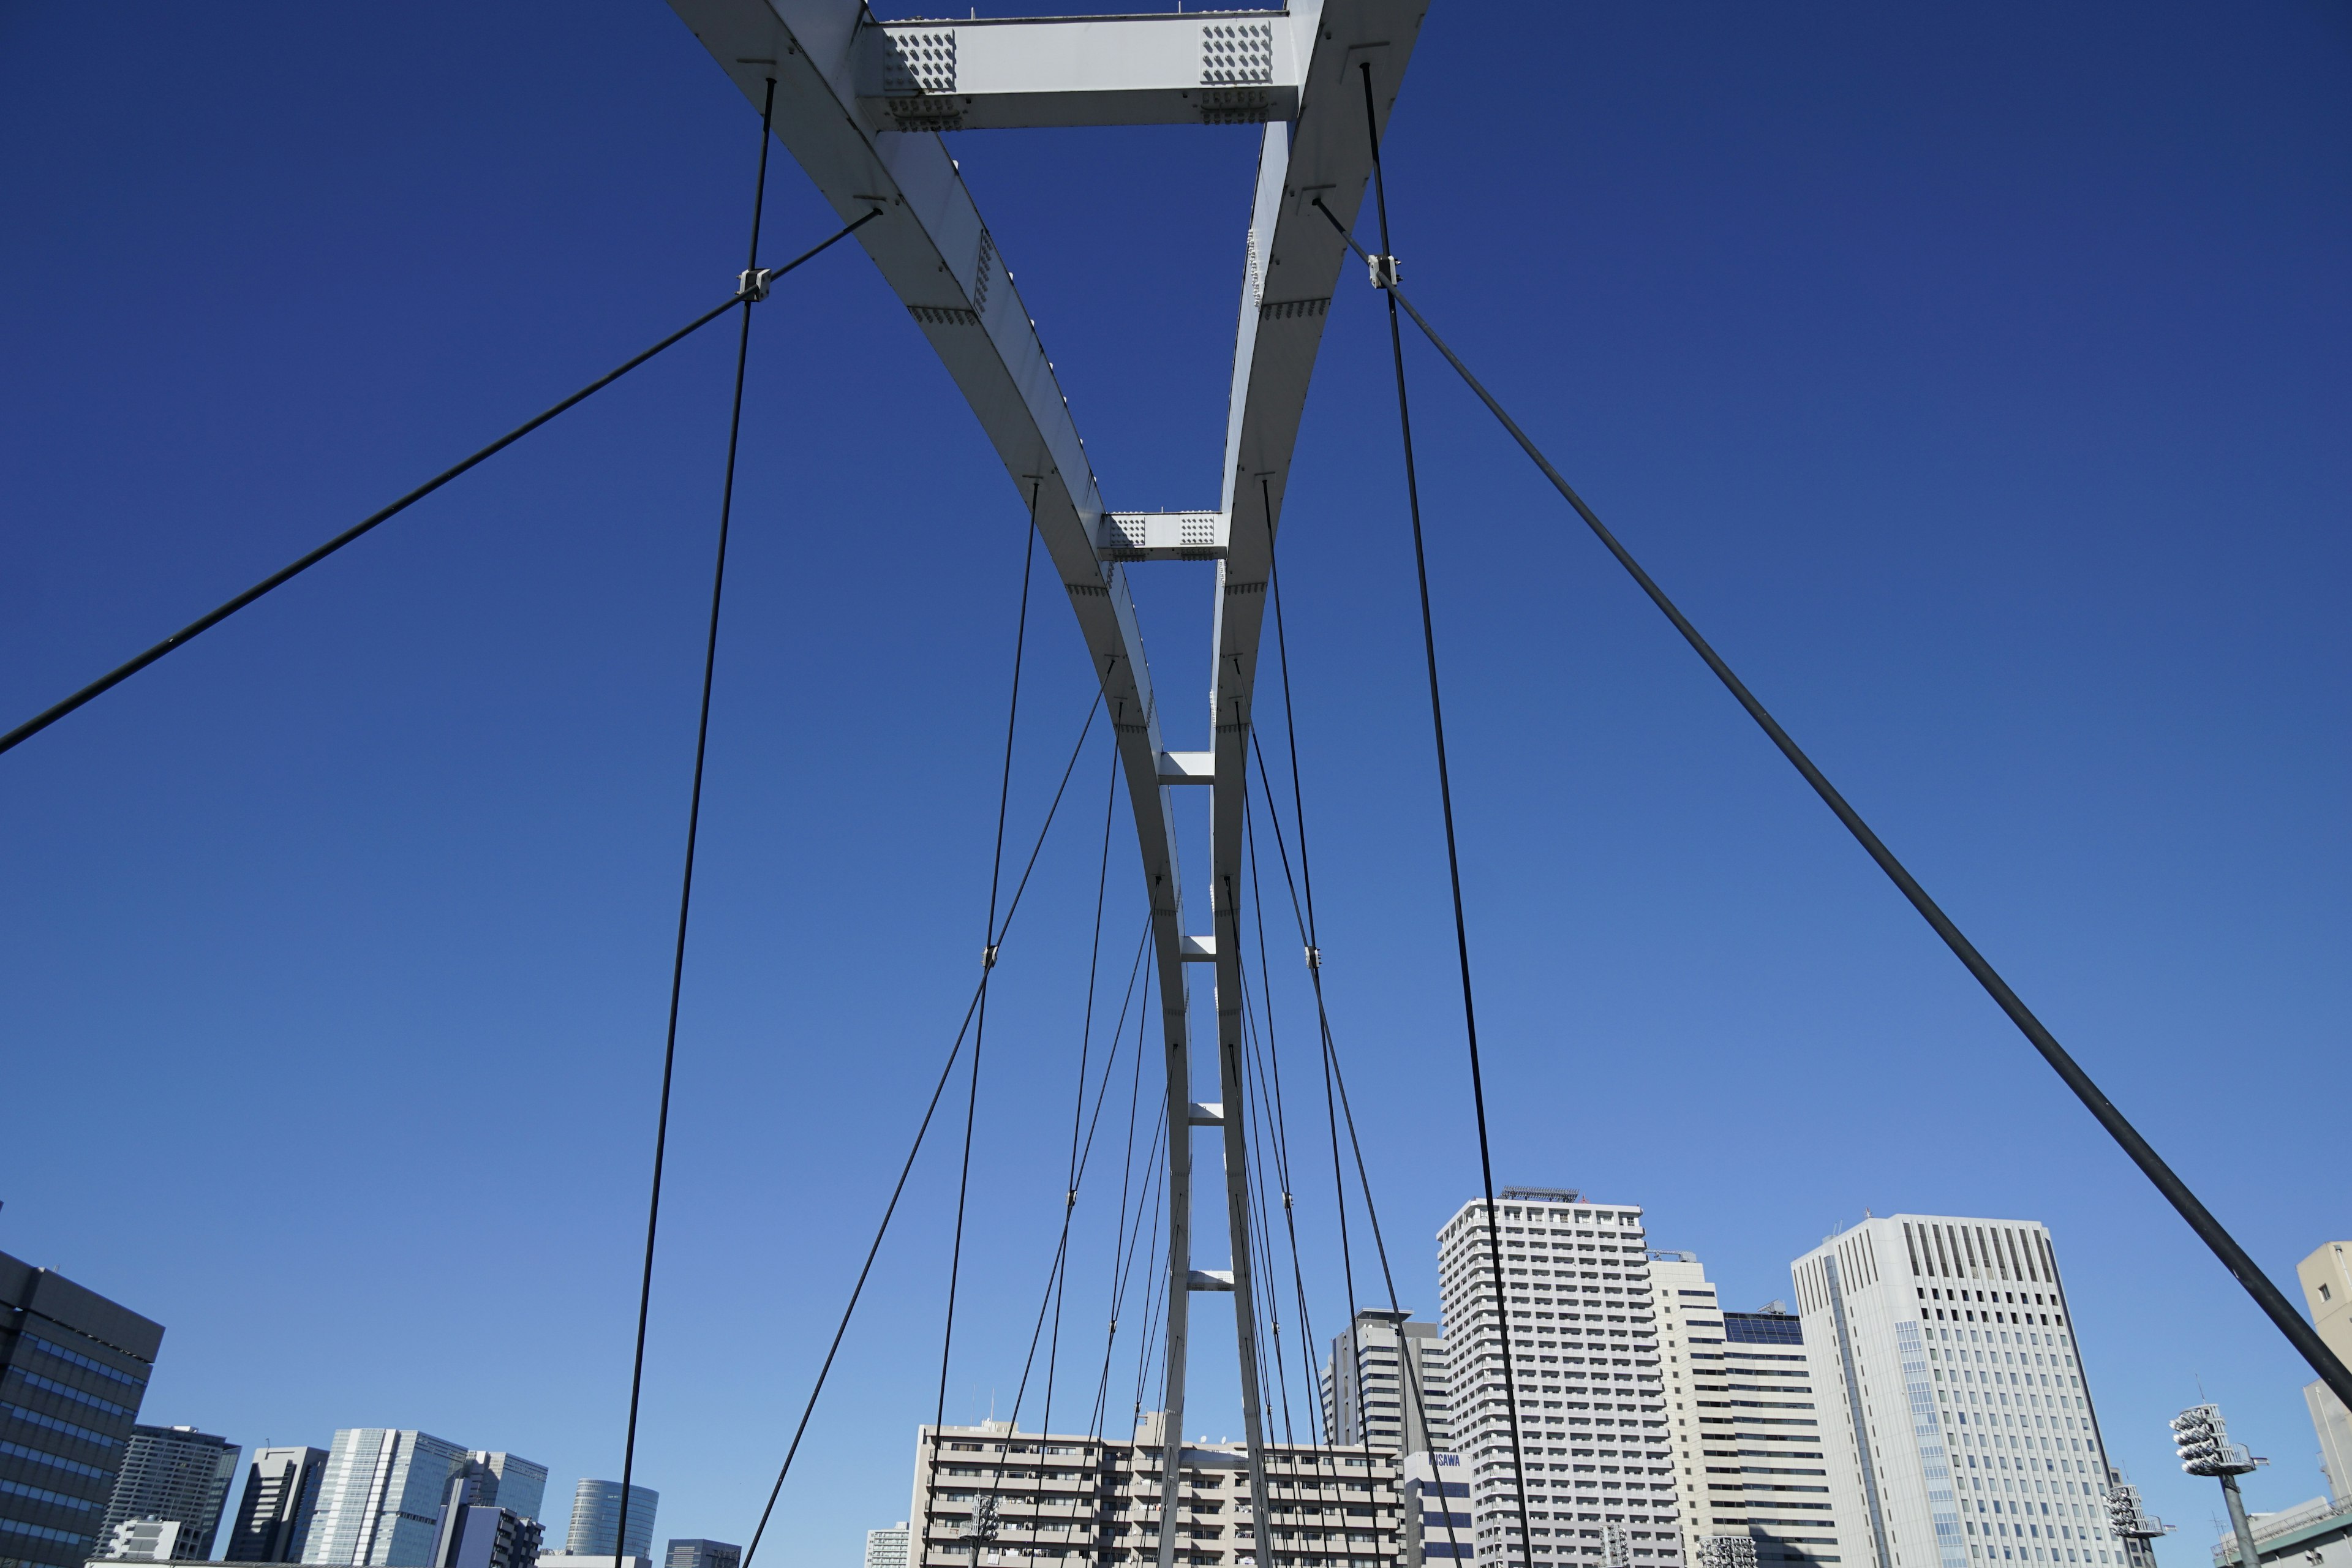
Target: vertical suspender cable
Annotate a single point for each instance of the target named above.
(1386, 267)
(988, 966)
(693, 828)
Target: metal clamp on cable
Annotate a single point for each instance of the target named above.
(988, 956)
(752, 287)
(1314, 958)
(1383, 269)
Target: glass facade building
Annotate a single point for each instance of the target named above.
(174, 1473)
(73, 1369)
(379, 1498)
(509, 1480)
(596, 1520)
(717, 1554)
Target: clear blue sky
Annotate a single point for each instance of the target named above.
(1974, 377)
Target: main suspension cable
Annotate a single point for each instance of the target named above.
(745, 294)
(693, 824)
(2224, 1246)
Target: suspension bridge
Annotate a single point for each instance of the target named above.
(859, 105)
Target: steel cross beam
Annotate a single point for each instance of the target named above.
(859, 103)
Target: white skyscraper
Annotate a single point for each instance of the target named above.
(1593, 1429)
(1967, 1437)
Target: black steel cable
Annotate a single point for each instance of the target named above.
(204, 623)
(1119, 1239)
(693, 829)
(2175, 1192)
(988, 965)
(1363, 1180)
(947, 1070)
(1386, 268)
(1278, 1114)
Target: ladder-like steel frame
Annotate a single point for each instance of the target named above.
(859, 104)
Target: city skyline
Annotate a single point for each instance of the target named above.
(1972, 377)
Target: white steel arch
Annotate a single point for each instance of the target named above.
(859, 103)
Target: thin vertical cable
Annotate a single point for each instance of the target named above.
(1386, 265)
(693, 828)
(988, 967)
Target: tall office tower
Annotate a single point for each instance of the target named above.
(1584, 1377)
(379, 1499)
(73, 1368)
(2326, 1277)
(1968, 1436)
(989, 1495)
(273, 1516)
(697, 1553)
(1746, 1393)
(887, 1547)
(596, 1519)
(509, 1480)
(174, 1473)
(1398, 1398)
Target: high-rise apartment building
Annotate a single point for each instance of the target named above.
(699, 1553)
(380, 1497)
(73, 1368)
(1746, 1395)
(280, 1499)
(1965, 1436)
(989, 1495)
(2326, 1277)
(1387, 1386)
(887, 1547)
(179, 1474)
(1583, 1376)
(596, 1520)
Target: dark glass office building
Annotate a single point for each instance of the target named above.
(73, 1368)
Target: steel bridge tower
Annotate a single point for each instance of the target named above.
(859, 103)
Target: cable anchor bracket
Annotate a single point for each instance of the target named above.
(1384, 270)
(751, 287)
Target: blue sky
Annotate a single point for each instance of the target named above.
(1976, 379)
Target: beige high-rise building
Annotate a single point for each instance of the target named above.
(2326, 1277)
(1745, 1398)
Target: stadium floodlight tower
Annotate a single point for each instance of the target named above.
(860, 103)
(2129, 1520)
(2205, 1448)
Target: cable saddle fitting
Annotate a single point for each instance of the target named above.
(1314, 958)
(1384, 270)
(752, 287)
(988, 956)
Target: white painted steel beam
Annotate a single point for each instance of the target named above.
(1232, 67)
(857, 104)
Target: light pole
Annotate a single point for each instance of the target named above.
(2206, 1450)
